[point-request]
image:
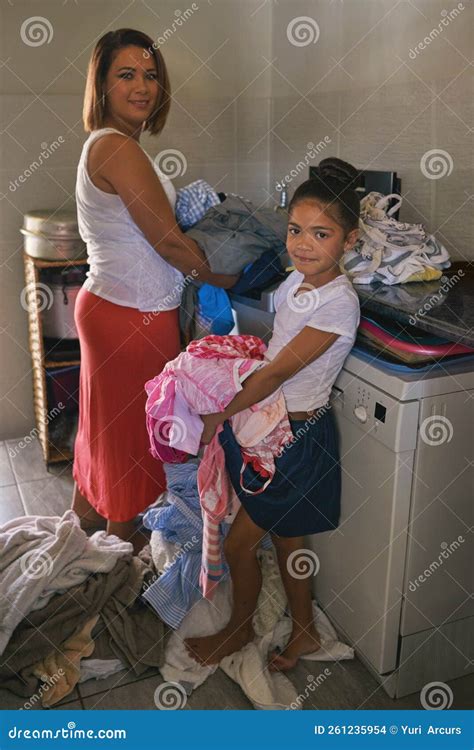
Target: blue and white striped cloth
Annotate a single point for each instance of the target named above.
(193, 201)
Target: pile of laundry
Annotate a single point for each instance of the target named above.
(391, 251)
(236, 238)
(60, 592)
(203, 380)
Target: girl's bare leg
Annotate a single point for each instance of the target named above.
(304, 638)
(240, 548)
(88, 516)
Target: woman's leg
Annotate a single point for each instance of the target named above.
(304, 638)
(240, 547)
(129, 532)
(88, 516)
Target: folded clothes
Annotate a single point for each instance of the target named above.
(47, 555)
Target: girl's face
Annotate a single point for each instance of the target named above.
(131, 87)
(315, 241)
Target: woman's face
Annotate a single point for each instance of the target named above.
(131, 87)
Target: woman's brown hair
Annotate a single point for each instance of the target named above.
(93, 112)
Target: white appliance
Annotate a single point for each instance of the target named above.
(395, 577)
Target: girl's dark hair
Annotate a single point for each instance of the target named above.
(93, 113)
(334, 186)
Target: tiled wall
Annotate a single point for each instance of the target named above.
(247, 102)
(221, 86)
(382, 108)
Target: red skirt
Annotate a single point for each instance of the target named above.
(121, 348)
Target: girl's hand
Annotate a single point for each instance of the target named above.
(211, 423)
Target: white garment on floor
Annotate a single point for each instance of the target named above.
(47, 555)
(266, 690)
(99, 669)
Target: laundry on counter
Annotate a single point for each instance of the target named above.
(248, 667)
(203, 380)
(260, 274)
(234, 233)
(193, 201)
(137, 636)
(391, 251)
(236, 237)
(47, 555)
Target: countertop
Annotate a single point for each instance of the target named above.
(443, 308)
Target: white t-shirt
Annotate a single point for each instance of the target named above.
(333, 307)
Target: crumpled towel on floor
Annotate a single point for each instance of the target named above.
(65, 664)
(266, 690)
(47, 555)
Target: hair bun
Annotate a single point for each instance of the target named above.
(337, 169)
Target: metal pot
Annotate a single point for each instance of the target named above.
(52, 235)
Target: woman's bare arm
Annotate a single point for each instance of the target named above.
(121, 163)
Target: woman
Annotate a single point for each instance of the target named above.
(127, 311)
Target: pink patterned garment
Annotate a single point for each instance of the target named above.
(203, 380)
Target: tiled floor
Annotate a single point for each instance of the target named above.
(26, 487)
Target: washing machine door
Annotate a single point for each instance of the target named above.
(360, 579)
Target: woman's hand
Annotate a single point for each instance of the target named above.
(211, 423)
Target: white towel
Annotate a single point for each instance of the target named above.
(47, 555)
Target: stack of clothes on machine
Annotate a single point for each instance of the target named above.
(237, 238)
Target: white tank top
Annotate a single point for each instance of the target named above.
(124, 267)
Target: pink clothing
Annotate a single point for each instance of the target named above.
(203, 380)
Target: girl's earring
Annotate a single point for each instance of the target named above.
(103, 101)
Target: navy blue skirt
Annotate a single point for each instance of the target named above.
(304, 496)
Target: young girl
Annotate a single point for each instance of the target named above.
(317, 314)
